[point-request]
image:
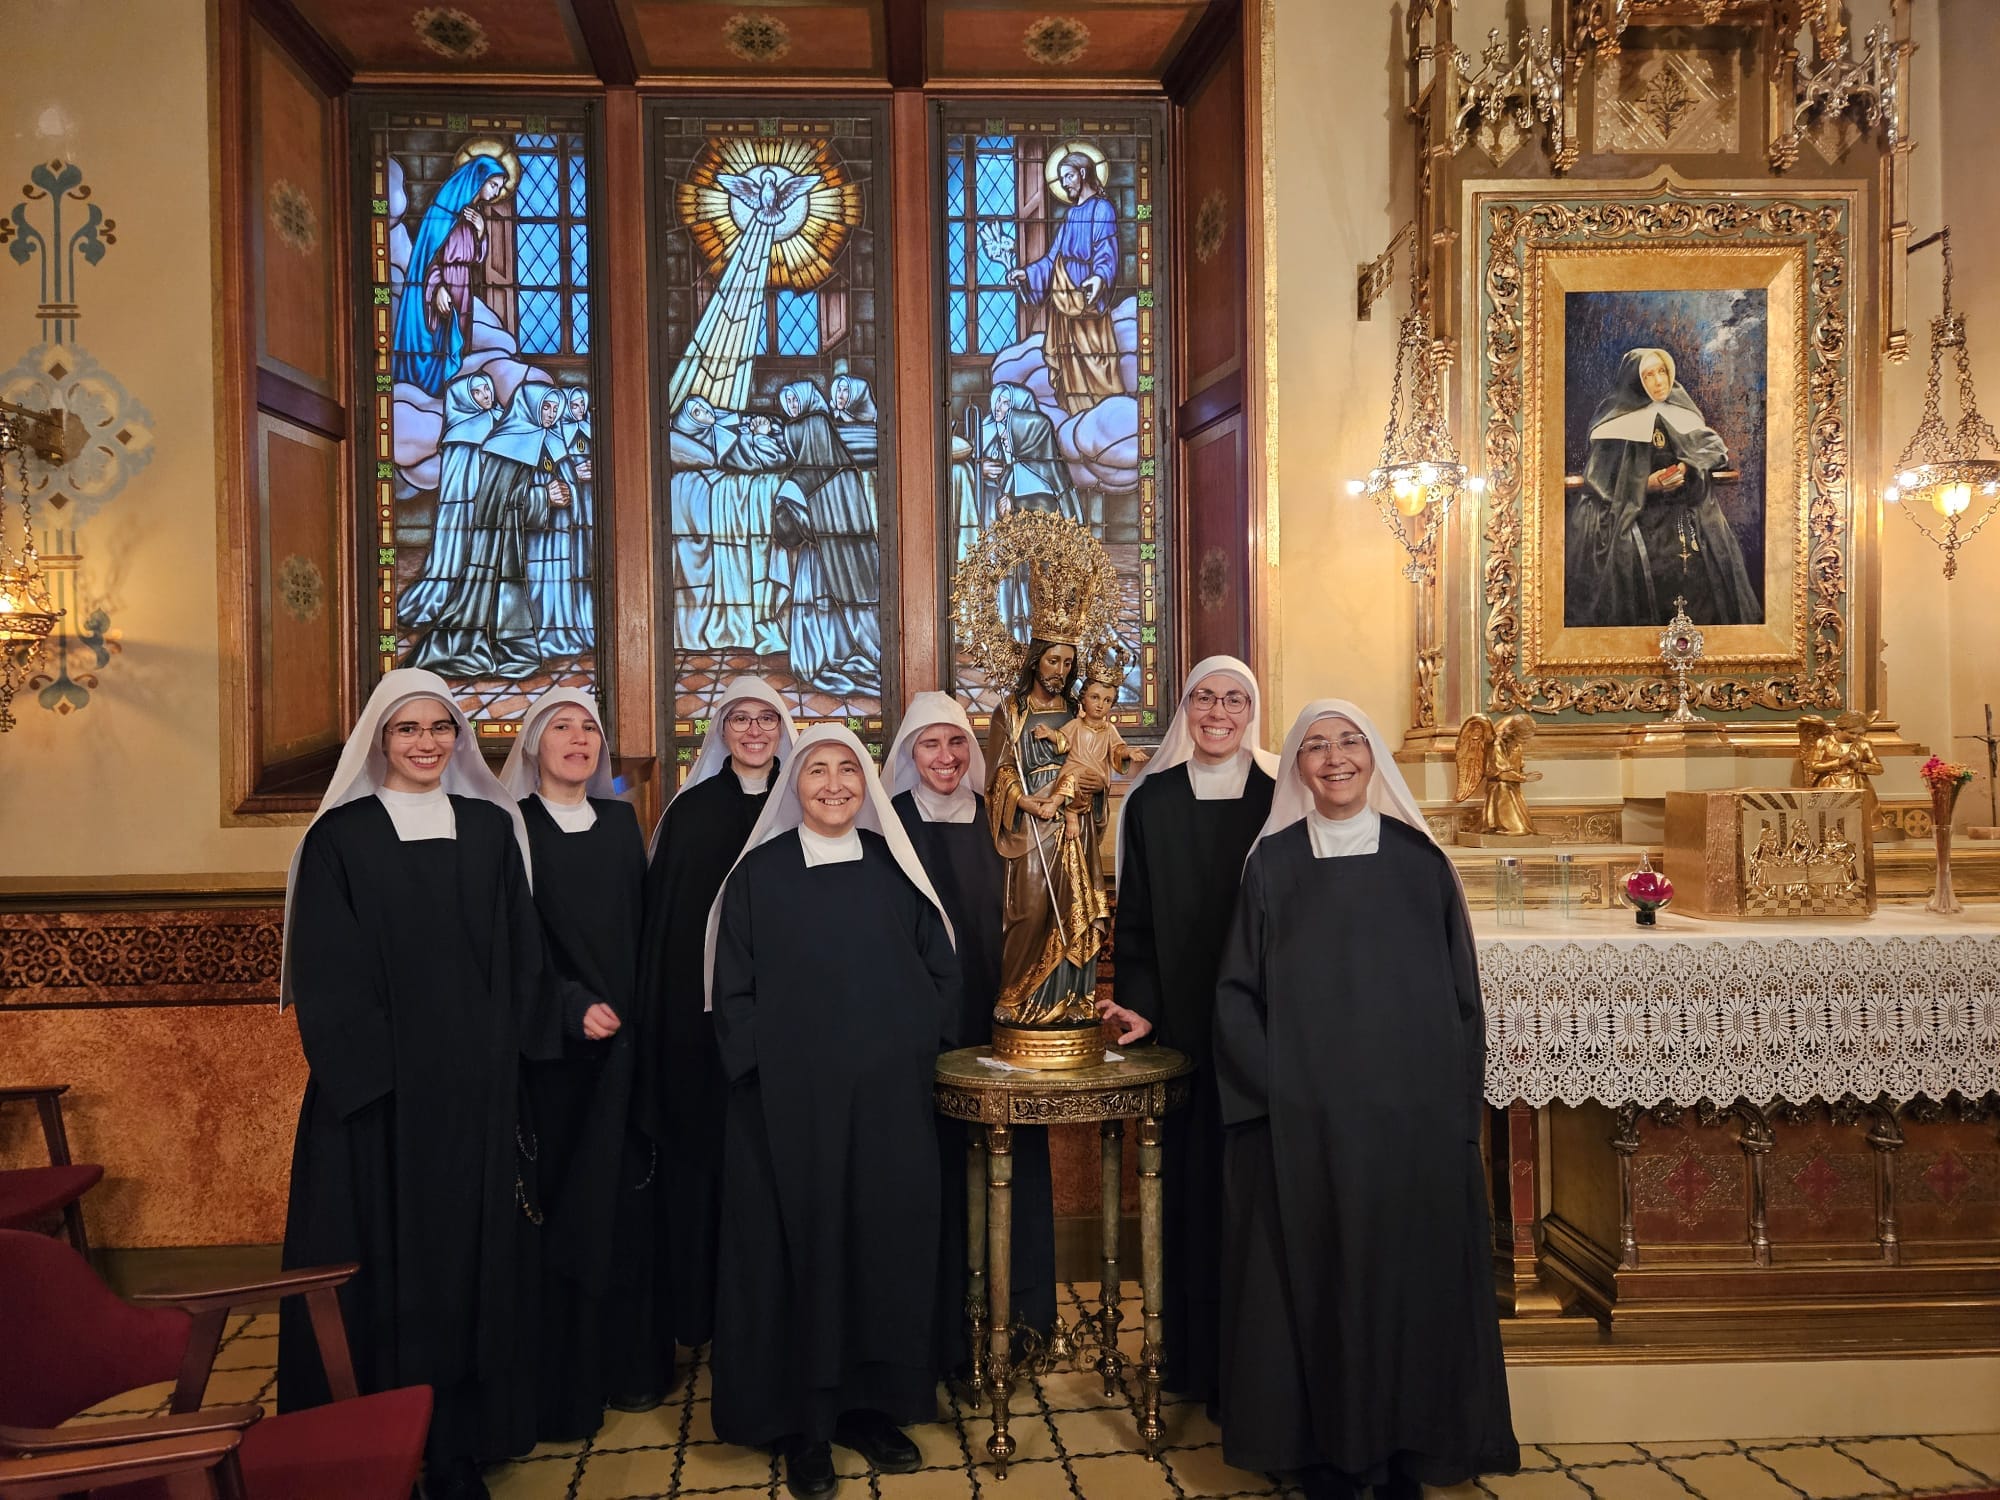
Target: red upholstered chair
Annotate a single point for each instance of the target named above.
(71, 1343)
(29, 1195)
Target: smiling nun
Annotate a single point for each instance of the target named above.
(834, 987)
(592, 862)
(413, 959)
(1361, 1340)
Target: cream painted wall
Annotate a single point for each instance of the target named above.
(130, 784)
(1345, 615)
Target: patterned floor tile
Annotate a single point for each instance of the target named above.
(1077, 1444)
(1908, 1464)
(1821, 1473)
(1729, 1476)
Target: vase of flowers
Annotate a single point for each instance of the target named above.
(1946, 779)
(1647, 890)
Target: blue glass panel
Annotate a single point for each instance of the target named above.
(579, 323)
(541, 323)
(579, 195)
(996, 143)
(536, 197)
(954, 253)
(798, 322)
(760, 331)
(997, 324)
(994, 186)
(537, 256)
(579, 255)
(955, 309)
(954, 186)
(534, 143)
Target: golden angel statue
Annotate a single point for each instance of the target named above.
(1839, 755)
(1494, 757)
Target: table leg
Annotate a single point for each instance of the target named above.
(999, 1274)
(975, 1257)
(1111, 1140)
(1152, 1279)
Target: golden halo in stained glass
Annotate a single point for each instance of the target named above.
(800, 259)
(1052, 168)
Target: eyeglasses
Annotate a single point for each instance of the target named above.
(1320, 745)
(409, 734)
(766, 721)
(1201, 700)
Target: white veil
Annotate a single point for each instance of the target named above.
(1388, 793)
(899, 767)
(363, 765)
(782, 813)
(1177, 746)
(714, 752)
(522, 774)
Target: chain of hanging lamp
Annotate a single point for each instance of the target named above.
(1418, 477)
(1955, 470)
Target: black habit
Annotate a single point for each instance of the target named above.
(588, 1163)
(970, 879)
(682, 1095)
(1178, 882)
(835, 988)
(418, 981)
(1360, 1326)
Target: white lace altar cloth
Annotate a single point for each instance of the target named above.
(1598, 1008)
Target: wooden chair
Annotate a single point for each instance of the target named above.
(71, 1343)
(29, 1195)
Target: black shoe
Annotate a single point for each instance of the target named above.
(878, 1440)
(1323, 1483)
(809, 1471)
(457, 1480)
(1400, 1487)
(640, 1401)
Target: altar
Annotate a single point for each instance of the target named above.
(1710, 1121)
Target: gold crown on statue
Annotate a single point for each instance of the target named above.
(1073, 592)
(1107, 664)
(1061, 602)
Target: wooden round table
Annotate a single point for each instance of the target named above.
(1143, 1085)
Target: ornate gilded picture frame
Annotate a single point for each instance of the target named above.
(1662, 386)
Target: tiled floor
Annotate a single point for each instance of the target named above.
(1078, 1444)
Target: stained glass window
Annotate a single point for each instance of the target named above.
(773, 303)
(478, 331)
(1054, 353)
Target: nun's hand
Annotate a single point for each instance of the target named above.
(1132, 1026)
(600, 1021)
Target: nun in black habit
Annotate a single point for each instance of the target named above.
(834, 987)
(1361, 1338)
(682, 1092)
(933, 773)
(414, 961)
(592, 862)
(1185, 827)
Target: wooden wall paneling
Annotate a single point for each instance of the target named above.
(284, 537)
(925, 633)
(1211, 207)
(299, 503)
(1215, 539)
(291, 211)
(628, 617)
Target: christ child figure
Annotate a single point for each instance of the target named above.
(1092, 750)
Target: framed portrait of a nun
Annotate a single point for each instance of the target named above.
(1664, 391)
